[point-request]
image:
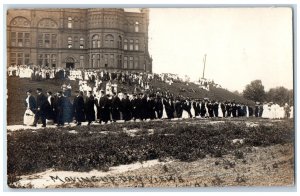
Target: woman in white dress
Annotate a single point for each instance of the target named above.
(164, 110)
(220, 113)
(266, 111)
(30, 108)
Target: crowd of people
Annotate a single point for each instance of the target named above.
(104, 108)
(92, 76)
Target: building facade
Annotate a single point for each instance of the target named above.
(99, 38)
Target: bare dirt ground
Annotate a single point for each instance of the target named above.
(263, 166)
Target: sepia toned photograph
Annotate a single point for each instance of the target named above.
(149, 97)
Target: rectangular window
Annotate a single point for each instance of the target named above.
(94, 60)
(136, 63)
(40, 40)
(131, 62)
(81, 62)
(20, 59)
(125, 62)
(40, 59)
(27, 59)
(81, 43)
(54, 40)
(70, 22)
(27, 39)
(131, 45)
(47, 40)
(13, 38)
(13, 58)
(53, 60)
(47, 60)
(20, 39)
(136, 47)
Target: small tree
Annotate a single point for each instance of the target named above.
(254, 91)
(280, 95)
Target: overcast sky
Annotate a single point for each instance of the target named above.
(242, 44)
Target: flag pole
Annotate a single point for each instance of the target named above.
(204, 62)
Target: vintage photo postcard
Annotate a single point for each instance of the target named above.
(150, 97)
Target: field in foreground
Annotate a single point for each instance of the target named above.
(193, 152)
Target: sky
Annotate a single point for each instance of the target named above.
(241, 44)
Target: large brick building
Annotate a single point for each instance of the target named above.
(101, 38)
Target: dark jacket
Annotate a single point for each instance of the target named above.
(32, 103)
(78, 107)
(42, 103)
(89, 108)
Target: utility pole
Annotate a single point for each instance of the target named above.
(204, 62)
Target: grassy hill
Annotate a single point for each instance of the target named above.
(17, 87)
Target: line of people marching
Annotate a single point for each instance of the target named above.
(111, 108)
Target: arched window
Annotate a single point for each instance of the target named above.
(69, 42)
(136, 47)
(81, 43)
(70, 22)
(96, 41)
(136, 27)
(125, 44)
(109, 41)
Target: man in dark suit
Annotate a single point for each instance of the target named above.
(178, 108)
(202, 109)
(126, 107)
(78, 107)
(115, 107)
(103, 108)
(187, 106)
(234, 109)
(42, 106)
(210, 108)
(195, 106)
(216, 108)
(169, 107)
(144, 106)
(228, 109)
(89, 108)
(136, 107)
(50, 109)
(151, 107)
(59, 109)
(159, 106)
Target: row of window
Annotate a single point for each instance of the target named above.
(71, 44)
(20, 39)
(131, 62)
(48, 60)
(109, 61)
(19, 58)
(49, 40)
(109, 42)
